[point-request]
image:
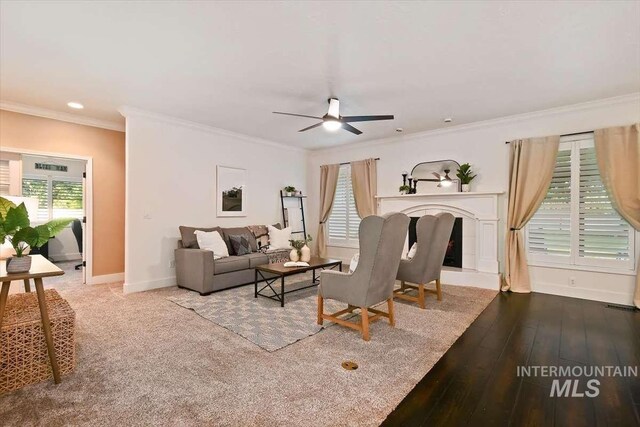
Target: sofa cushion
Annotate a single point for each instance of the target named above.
(239, 231)
(257, 259)
(189, 237)
(240, 244)
(229, 264)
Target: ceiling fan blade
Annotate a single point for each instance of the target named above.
(297, 115)
(310, 127)
(350, 119)
(350, 128)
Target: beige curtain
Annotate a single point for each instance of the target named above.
(328, 182)
(531, 169)
(618, 154)
(364, 180)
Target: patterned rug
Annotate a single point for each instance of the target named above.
(261, 320)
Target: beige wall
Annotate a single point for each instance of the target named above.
(107, 148)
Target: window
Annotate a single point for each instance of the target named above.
(576, 223)
(56, 198)
(38, 188)
(4, 178)
(344, 221)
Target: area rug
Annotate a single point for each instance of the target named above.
(262, 320)
(143, 360)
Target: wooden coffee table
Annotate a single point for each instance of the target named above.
(280, 272)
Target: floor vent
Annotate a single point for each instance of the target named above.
(621, 307)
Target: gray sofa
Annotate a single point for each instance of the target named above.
(197, 270)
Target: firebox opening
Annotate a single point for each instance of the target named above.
(453, 257)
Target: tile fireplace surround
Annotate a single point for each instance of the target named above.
(480, 231)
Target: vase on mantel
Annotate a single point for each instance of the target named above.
(466, 188)
(293, 255)
(305, 254)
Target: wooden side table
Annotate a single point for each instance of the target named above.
(40, 267)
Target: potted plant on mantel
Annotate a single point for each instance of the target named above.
(465, 176)
(16, 228)
(404, 189)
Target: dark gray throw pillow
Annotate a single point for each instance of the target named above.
(240, 244)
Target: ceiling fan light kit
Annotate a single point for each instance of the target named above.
(332, 121)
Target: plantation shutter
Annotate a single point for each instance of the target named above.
(4, 178)
(344, 220)
(67, 199)
(602, 232)
(38, 188)
(549, 231)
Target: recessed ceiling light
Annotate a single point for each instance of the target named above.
(75, 105)
(448, 120)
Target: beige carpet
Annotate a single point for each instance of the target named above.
(143, 360)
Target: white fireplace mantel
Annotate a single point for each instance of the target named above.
(481, 218)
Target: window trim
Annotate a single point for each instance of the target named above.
(574, 261)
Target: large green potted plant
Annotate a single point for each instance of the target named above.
(465, 175)
(15, 227)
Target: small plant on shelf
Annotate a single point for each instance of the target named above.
(404, 189)
(290, 190)
(465, 175)
(16, 228)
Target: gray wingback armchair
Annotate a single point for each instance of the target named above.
(433, 234)
(381, 241)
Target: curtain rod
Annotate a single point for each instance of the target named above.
(566, 134)
(346, 163)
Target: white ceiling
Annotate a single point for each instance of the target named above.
(230, 64)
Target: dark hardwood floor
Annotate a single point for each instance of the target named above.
(476, 381)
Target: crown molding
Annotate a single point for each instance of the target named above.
(59, 115)
(600, 103)
(128, 111)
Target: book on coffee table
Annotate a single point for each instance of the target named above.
(296, 264)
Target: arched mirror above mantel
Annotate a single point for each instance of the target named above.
(435, 176)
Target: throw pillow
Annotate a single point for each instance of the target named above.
(212, 241)
(187, 234)
(279, 239)
(240, 244)
(412, 251)
(354, 263)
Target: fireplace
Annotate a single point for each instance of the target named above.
(453, 256)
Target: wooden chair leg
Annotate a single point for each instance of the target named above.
(402, 286)
(421, 295)
(320, 309)
(392, 319)
(438, 290)
(27, 286)
(364, 313)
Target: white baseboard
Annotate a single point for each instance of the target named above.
(105, 278)
(74, 256)
(130, 288)
(474, 279)
(584, 293)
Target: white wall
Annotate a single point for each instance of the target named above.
(483, 145)
(171, 181)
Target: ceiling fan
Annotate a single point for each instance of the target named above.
(333, 121)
